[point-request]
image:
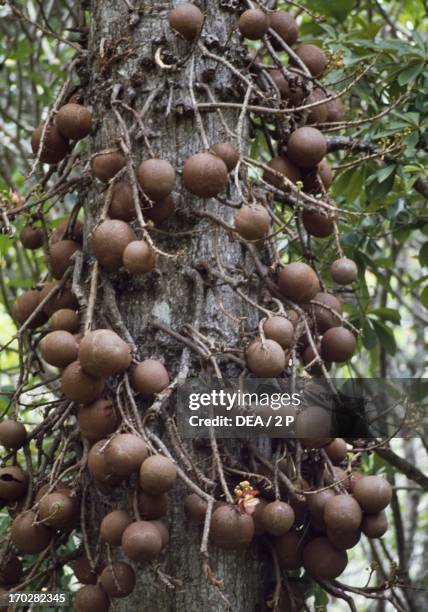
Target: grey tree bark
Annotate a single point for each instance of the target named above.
(122, 48)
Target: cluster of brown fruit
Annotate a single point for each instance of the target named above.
(303, 161)
(111, 461)
(267, 357)
(86, 362)
(114, 242)
(313, 532)
(55, 512)
(72, 123)
(64, 241)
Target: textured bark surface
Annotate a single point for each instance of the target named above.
(123, 55)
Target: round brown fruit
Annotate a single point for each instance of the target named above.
(98, 467)
(125, 453)
(55, 146)
(187, 20)
(195, 508)
(290, 90)
(322, 560)
(157, 475)
(163, 530)
(28, 537)
(257, 516)
(63, 298)
(314, 59)
(313, 426)
(326, 317)
(341, 476)
(56, 510)
(31, 237)
(68, 230)
(89, 598)
(60, 256)
(335, 111)
(149, 377)
(278, 518)
(24, 307)
(160, 211)
(373, 493)
(83, 571)
(252, 222)
(113, 525)
(13, 483)
(344, 271)
(343, 540)
(265, 359)
(293, 317)
(142, 541)
(338, 344)
(374, 525)
(78, 386)
(118, 580)
(65, 319)
(337, 450)
(152, 507)
(228, 153)
(74, 121)
(109, 241)
(97, 420)
(157, 178)
(317, 114)
(285, 26)
(317, 502)
(289, 548)
(281, 330)
(311, 177)
(230, 529)
(205, 175)
(59, 348)
(298, 282)
(284, 166)
(10, 570)
(103, 353)
(139, 257)
(308, 357)
(106, 165)
(12, 434)
(343, 512)
(317, 225)
(253, 24)
(122, 202)
(306, 147)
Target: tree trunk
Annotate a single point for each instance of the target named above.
(121, 57)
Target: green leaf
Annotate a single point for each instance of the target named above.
(5, 243)
(350, 183)
(379, 189)
(369, 335)
(410, 72)
(423, 255)
(386, 336)
(424, 297)
(383, 174)
(332, 8)
(389, 314)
